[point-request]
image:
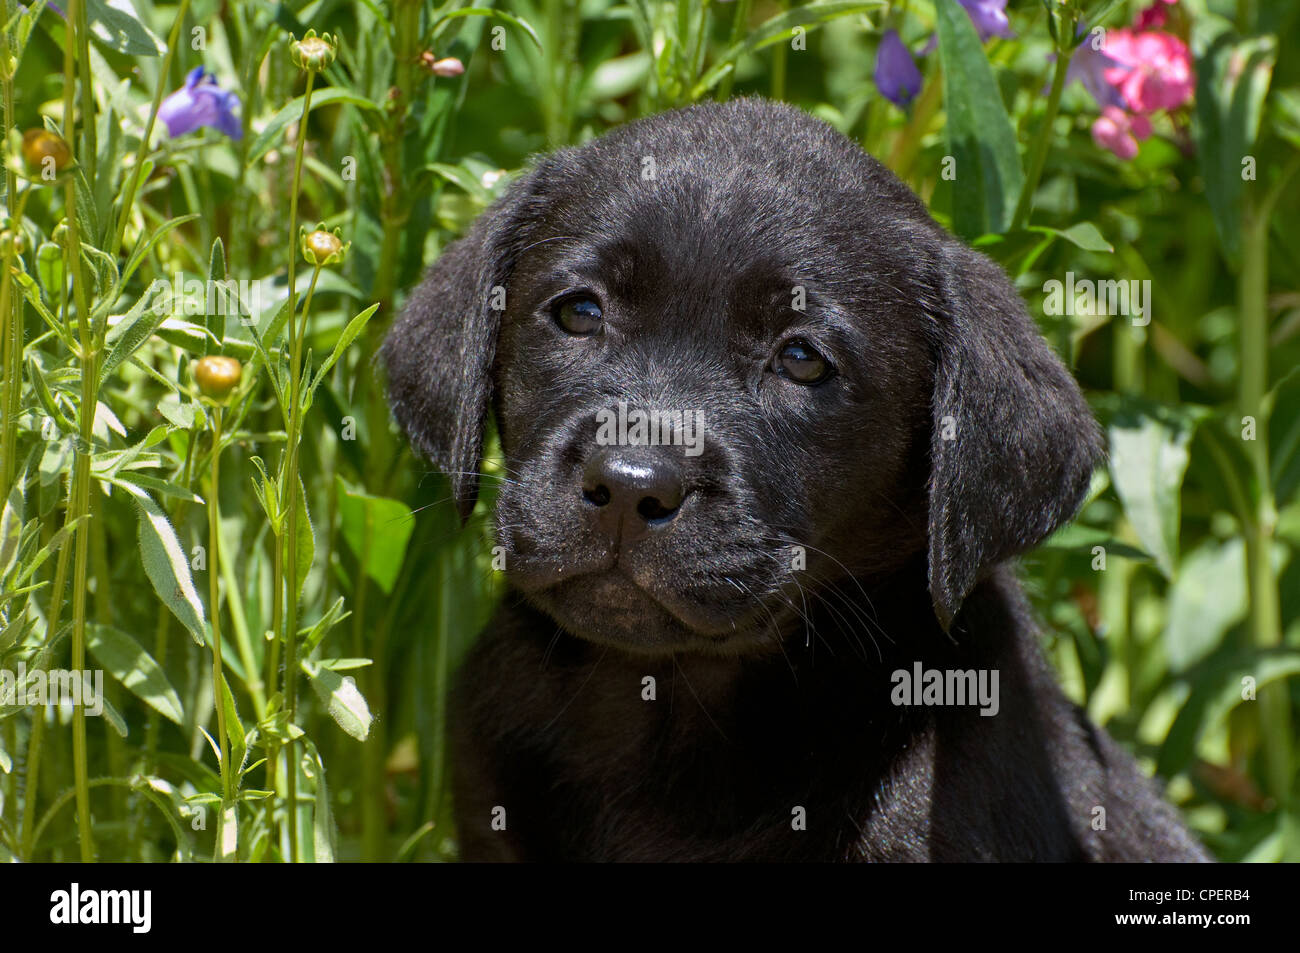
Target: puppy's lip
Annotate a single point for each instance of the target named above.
(704, 618)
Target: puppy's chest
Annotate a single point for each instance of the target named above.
(658, 764)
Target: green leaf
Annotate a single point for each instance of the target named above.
(113, 717)
(775, 30)
(494, 14)
(1215, 693)
(143, 248)
(234, 728)
(332, 617)
(1084, 235)
(1081, 539)
(124, 659)
(135, 327)
(355, 327)
(306, 542)
(980, 135)
(293, 112)
(341, 697)
(49, 268)
(1232, 79)
(1207, 598)
(115, 24)
(216, 318)
(324, 831)
(1148, 459)
(11, 529)
(377, 531)
(166, 565)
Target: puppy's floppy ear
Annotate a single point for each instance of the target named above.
(439, 351)
(1014, 444)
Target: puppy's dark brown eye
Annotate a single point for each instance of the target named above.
(578, 315)
(800, 362)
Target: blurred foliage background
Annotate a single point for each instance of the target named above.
(1171, 606)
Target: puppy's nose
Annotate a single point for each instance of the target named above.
(633, 488)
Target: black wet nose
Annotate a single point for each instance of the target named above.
(634, 487)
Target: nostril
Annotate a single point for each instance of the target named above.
(651, 508)
(598, 495)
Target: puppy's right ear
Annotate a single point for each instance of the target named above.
(439, 351)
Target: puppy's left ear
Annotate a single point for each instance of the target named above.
(1014, 443)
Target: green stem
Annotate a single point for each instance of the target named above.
(79, 492)
(288, 588)
(1043, 141)
(89, 148)
(214, 612)
(1265, 612)
(133, 179)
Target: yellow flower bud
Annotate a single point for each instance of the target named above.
(322, 247)
(46, 154)
(218, 375)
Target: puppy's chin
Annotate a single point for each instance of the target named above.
(609, 608)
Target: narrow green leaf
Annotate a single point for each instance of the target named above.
(292, 112)
(981, 138)
(216, 317)
(341, 697)
(125, 659)
(166, 565)
(354, 327)
(115, 25)
(1232, 80)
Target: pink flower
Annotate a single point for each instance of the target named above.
(1154, 71)
(1120, 132)
(1154, 16)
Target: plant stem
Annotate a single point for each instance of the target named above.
(289, 482)
(214, 607)
(89, 148)
(1043, 141)
(79, 492)
(1265, 614)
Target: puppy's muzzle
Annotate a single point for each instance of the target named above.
(632, 491)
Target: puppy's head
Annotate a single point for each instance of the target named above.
(731, 356)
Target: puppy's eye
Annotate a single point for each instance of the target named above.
(578, 315)
(800, 362)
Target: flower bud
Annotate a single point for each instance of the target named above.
(46, 154)
(313, 53)
(447, 66)
(322, 247)
(218, 375)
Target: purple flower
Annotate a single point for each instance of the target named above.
(1089, 65)
(897, 77)
(989, 17)
(200, 102)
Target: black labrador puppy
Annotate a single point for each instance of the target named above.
(770, 436)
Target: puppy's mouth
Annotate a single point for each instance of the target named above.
(611, 603)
